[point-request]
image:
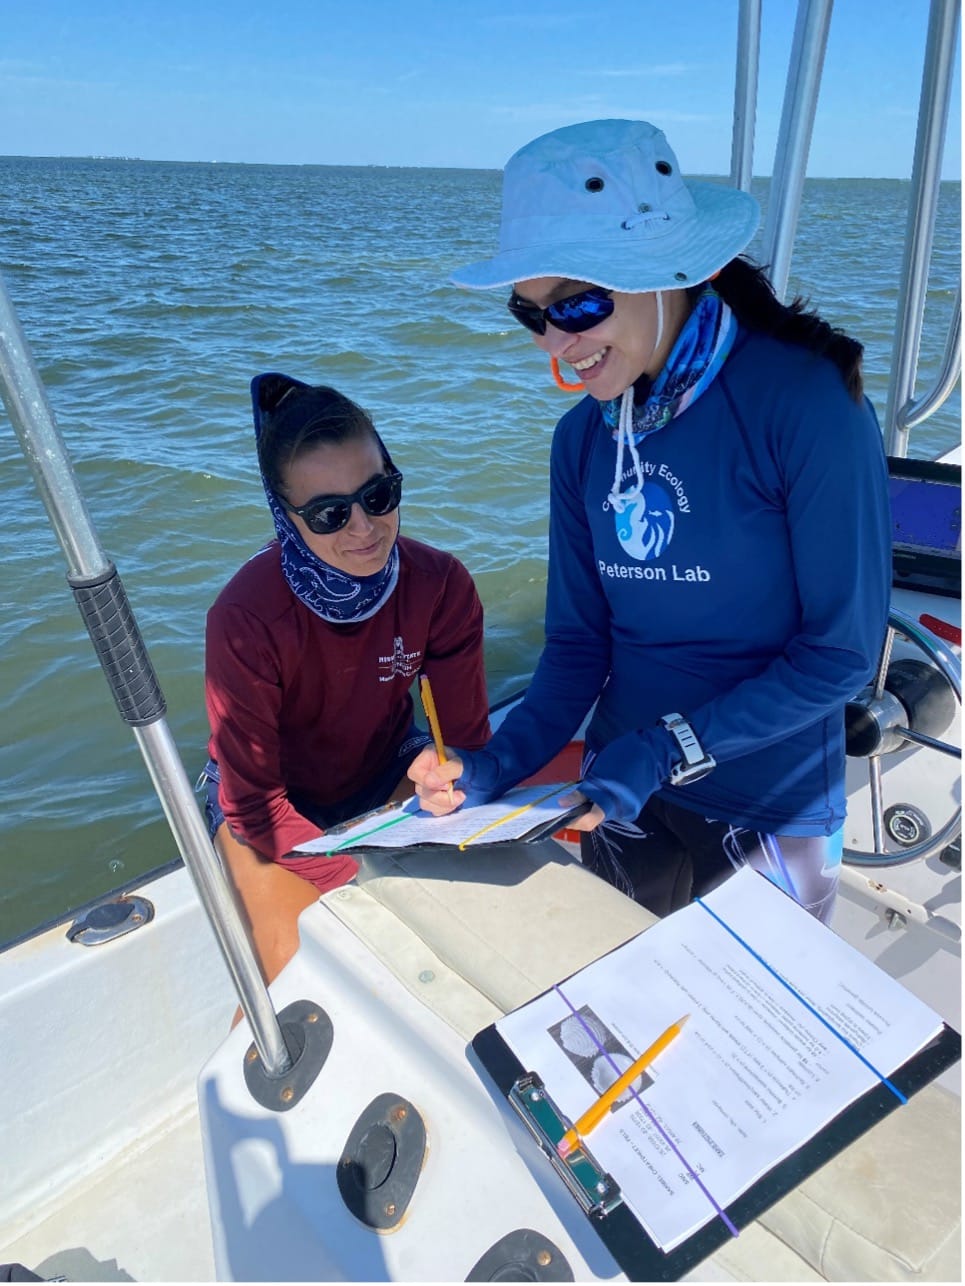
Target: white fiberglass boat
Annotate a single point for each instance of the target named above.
(142, 1141)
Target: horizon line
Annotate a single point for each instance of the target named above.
(386, 165)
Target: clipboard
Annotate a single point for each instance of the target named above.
(598, 1194)
(617, 1226)
(524, 814)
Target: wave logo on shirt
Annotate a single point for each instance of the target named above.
(645, 522)
(400, 662)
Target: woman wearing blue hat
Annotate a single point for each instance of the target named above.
(719, 545)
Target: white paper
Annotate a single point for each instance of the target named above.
(404, 827)
(752, 1075)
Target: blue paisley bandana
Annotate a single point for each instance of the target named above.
(329, 593)
(702, 345)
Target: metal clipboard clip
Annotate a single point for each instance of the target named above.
(589, 1183)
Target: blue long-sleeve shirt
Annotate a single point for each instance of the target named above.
(749, 592)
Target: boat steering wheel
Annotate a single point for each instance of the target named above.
(879, 723)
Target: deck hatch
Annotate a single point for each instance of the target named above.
(381, 1162)
(522, 1256)
(109, 920)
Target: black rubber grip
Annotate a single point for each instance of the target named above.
(120, 649)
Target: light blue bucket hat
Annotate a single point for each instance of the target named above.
(604, 202)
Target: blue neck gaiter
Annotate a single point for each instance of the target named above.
(701, 348)
(333, 595)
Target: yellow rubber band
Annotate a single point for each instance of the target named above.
(509, 816)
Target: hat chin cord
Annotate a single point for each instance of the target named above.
(561, 383)
(619, 500)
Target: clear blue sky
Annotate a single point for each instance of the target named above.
(441, 82)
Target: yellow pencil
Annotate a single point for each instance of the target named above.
(595, 1113)
(429, 705)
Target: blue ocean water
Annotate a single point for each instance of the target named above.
(151, 292)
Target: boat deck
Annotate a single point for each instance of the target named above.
(141, 1216)
(100, 1103)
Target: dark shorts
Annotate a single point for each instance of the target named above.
(372, 795)
(670, 855)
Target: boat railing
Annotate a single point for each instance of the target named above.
(936, 89)
(915, 413)
(802, 88)
(745, 93)
(794, 138)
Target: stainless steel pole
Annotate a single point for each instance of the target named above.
(110, 622)
(936, 88)
(915, 413)
(794, 138)
(745, 93)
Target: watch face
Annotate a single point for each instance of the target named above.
(683, 776)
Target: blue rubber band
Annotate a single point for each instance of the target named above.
(783, 981)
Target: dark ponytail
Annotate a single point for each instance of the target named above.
(292, 418)
(745, 287)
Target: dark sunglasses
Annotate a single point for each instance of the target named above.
(574, 314)
(324, 515)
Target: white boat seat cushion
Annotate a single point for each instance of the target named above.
(511, 921)
(889, 1207)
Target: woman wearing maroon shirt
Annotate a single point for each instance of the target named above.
(311, 652)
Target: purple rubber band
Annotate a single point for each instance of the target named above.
(732, 1229)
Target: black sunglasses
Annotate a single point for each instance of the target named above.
(574, 314)
(324, 515)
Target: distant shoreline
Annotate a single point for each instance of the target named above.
(470, 169)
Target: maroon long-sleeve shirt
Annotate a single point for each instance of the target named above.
(300, 706)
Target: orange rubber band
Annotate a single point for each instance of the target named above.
(561, 382)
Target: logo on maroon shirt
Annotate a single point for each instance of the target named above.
(401, 662)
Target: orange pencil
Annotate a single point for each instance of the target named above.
(598, 1110)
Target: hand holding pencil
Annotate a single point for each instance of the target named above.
(435, 772)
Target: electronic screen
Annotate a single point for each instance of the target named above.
(926, 513)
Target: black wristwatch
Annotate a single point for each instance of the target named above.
(696, 762)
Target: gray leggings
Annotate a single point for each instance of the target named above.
(670, 855)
